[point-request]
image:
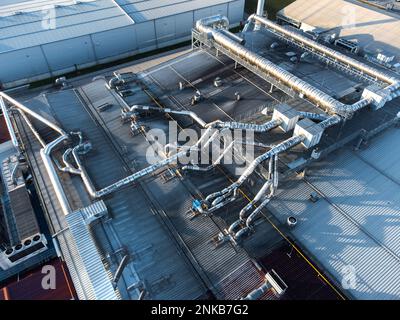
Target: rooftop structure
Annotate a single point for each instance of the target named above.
(133, 219)
(374, 31)
(93, 32)
(352, 227)
(24, 238)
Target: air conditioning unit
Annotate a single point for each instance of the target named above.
(22, 251)
(310, 130)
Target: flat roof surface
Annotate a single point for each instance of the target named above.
(156, 210)
(141, 216)
(356, 220)
(374, 29)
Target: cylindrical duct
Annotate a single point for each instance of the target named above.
(260, 7)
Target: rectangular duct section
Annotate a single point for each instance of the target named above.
(97, 282)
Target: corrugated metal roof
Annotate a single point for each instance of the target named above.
(28, 29)
(13, 2)
(98, 281)
(357, 223)
(373, 28)
(25, 25)
(132, 225)
(16, 15)
(153, 9)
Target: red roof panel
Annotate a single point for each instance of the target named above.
(30, 286)
(4, 135)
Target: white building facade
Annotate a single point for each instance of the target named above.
(39, 41)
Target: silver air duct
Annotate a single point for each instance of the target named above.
(248, 126)
(294, 35)
(46, 151)
(313, 116)
(283, 146)
(191, 114)
(307, 90)
(260, 7)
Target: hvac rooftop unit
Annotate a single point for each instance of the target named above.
(383, 58)
(347, 44)
(23, 251)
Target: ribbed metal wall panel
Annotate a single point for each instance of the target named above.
(94, 33)
(33, 29)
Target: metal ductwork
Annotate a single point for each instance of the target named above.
(216, 22)
(222, 155)
(137, 175)
(248, 126)
(32, 128)
(282, 147)
(329, 122)
(225, 193)
(260, 7)
(233, 36)
(46, 151)
(294, 35)
(321, 98)
(35, 115)
(194, 116)
(261, 194)
(242, 226)
(313, 116)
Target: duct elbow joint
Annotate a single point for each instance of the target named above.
(241, 234)
(235, 227)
